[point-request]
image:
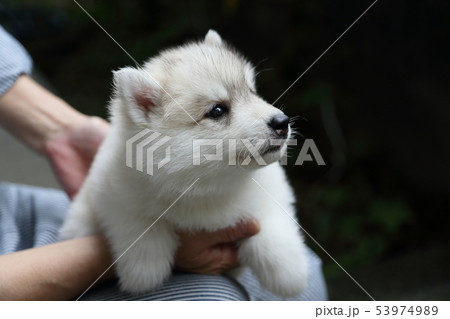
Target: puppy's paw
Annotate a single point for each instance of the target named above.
(286, 280)
(282, 271)
(137, 276)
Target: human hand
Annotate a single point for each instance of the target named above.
(72, 150)
(212, 252)
(50, 126)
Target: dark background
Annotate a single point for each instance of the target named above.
(376, 105)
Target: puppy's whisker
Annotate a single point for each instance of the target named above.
(264, 70)
(294, 118)
(261, 62)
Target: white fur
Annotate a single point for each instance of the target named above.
(123, 202)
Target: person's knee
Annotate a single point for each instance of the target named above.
(183, 286)
(179, 287)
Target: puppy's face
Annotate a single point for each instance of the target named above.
(203, 96)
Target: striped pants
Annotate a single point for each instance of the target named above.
(31, 216)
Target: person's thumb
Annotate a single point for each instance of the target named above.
(239, 231)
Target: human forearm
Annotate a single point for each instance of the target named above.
(60, 271)
(34, 115)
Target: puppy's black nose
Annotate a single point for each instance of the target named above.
(280, 123)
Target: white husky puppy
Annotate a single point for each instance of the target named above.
(202, 90)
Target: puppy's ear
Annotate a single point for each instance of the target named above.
(213, 38)
(139, 90)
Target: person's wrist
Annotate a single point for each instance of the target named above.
(104, 260)
(63, 125)
(35, 115)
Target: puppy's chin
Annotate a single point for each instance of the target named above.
(269, 155)
(272, 157)
(274, 154)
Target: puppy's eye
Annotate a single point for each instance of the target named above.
(217, 111)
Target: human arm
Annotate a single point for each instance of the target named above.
(64, 270)
(43, 121)
(60, 271)
(46, 123)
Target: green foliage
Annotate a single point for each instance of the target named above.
(355, 224)
(388, 215)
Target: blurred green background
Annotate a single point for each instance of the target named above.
(376, 105)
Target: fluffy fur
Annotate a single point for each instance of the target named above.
(122, 202)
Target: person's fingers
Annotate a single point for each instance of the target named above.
(239, 231)
(101, 124)
(227, 255)
(212, 253)
(87, 137)
(68, 167)
(214, 261)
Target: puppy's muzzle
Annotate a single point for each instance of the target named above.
(280, 124)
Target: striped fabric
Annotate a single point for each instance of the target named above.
(14, 60)
(31, 216)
